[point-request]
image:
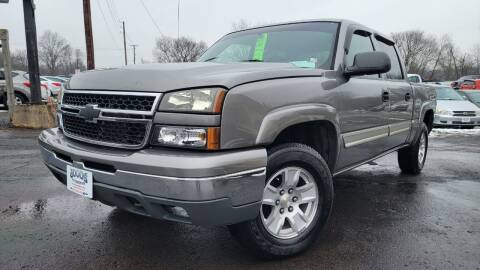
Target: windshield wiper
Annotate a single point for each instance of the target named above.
(210, 59)
(252, 60)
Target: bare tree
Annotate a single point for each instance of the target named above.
(418, 49)
(53, 51)
(182, 49)
(476, 57)
(19, 60)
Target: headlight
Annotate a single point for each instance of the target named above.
(199, 100)
(442, 111)
(188, 137)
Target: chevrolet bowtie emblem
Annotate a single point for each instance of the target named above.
(90, 113)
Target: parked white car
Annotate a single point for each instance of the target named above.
(453, 110)
(415, 78)
(53, 85)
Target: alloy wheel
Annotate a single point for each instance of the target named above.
(290, 202)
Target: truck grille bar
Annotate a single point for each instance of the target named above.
(109, 118)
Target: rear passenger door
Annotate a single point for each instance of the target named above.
(400, 94)
(363, 110)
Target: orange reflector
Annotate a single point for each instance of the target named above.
(218, 103)
(213, 138)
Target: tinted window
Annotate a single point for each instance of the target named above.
(2, 75)
(414, 79)
(306, 45)
(395, 72)
(359, 44)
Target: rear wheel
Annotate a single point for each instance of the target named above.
(20, 99)
(297, 201)
(412, 159)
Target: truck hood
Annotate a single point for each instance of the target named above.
(456, 105)
(167, 77)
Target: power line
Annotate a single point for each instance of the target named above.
(114, 18)
(151, 17)
(106, 24)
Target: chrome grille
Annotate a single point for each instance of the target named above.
(110, 118)
(109, 101)
(124, 133)
(464, 113)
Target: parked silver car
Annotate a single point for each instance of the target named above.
(21, 86)
(454, 110)
(54, 85)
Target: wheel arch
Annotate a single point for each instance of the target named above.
(297, 124)
(428, 119)
(21, 94)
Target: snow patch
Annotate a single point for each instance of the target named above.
(444, 132)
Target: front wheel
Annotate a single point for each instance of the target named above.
(297, 200)
(412, 159)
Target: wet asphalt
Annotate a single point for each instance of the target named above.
(381, 220)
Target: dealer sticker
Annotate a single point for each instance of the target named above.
(80, 181)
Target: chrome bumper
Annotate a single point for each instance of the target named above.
(226, 181)
(447, 120)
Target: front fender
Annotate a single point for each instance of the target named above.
(284, 117)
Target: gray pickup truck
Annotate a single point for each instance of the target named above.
(249, 136)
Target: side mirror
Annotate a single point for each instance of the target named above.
(368, 63)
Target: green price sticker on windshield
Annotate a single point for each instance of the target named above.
(260, 47)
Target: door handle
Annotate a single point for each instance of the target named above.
(408, 96)
(385, 96)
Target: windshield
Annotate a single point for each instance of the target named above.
(475, 96)
(470, 77)
(306, 45)
(446, 93)
(53, 79)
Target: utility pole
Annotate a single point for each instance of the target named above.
(178, 20)
(134, 46)
(124, 43)
(32, 51)
(7, 70)
(87, 21)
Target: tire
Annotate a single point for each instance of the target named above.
(313, 176)
(412, 159)
(20, 99)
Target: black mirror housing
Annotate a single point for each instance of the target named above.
(368, 63)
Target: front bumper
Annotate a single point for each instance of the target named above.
(447, 120)
(214, 188)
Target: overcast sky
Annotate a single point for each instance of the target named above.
(208, 20)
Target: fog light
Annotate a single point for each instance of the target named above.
(179, 211)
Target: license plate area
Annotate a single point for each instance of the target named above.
(80, 181)
(465, 119)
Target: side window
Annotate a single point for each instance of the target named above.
(360, 43)
(2, 75)
(395, 72)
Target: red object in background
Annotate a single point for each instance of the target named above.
(57, 84)
(27, 84)
(470, 85)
